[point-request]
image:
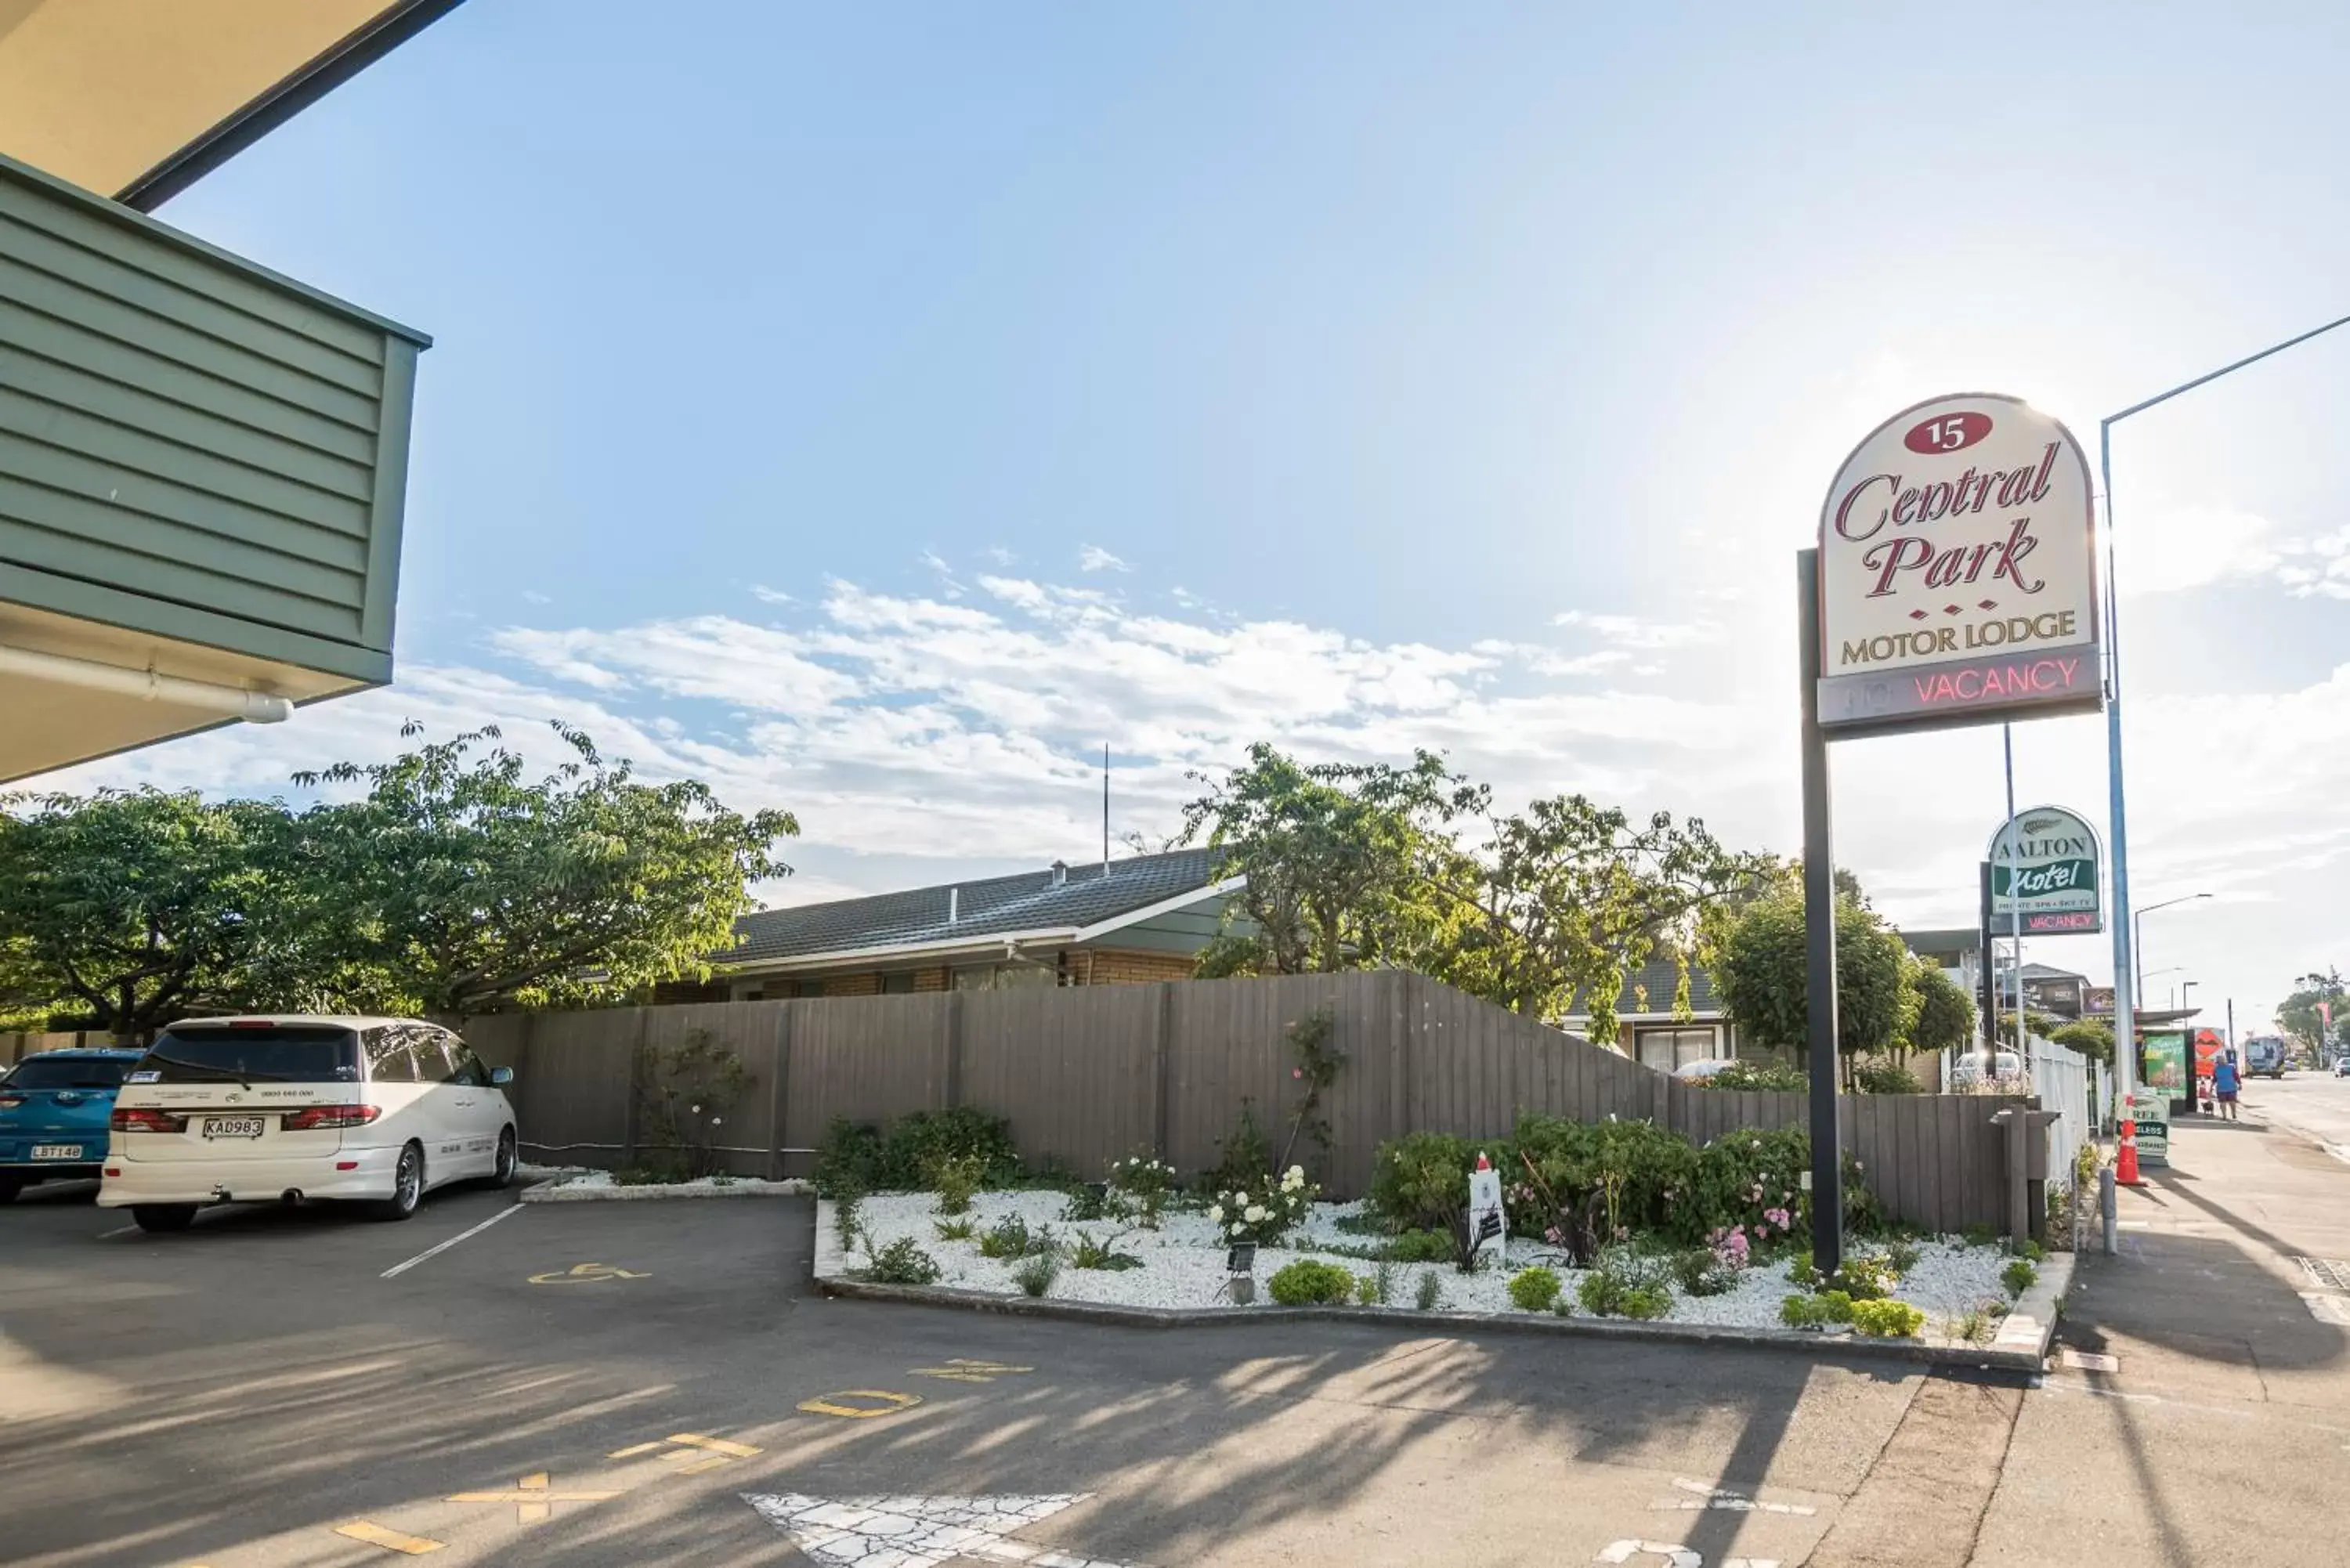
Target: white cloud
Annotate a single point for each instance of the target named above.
(532, 596)
(2170, 549)
(1632, 631)
(1094, 559)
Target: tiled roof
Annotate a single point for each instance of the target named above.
(1660, 976)
(993, 906)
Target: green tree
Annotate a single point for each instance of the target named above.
(1567, 896)
(1337, 857)
(454, 884)
(1760, 973)
(1946, 1013)
(2299, 1015)
(137, 906)
(2093, 1038)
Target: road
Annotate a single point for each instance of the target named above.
(651, 1382)
(2317, 1103)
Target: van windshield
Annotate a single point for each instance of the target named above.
(281, 1052)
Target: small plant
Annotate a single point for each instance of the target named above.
(900, 1264)
(1888, 1319)
(1533, 1290)
(845, 1224)
(2019, 1275)
(1086, 1252)
(954, 1229)
(1263, 1216)
(2031, 1252)
(1867, 1277)
(1771, 1077)
(1090, 1200)
(1803, 1274)
(1007, 1238)
(1244, 1157)
(1903, 1256)
(1701, 1272)
(1035, 1274)
(1828, 1309)
(1309, 1281)
(954, 1178)
(1146, 1184)
(1421, 1247)
(1976, 1323)
(1377, 1287)
(1428, 1294)
(1623, 1279)
(1978, 1236)
(1646, 1302)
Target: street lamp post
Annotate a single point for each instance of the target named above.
(2117, 833)
(2137, 936)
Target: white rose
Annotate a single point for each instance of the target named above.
(1254, 1214)
(1298, 1174)
(1240, 1198)
(1216, 1215)
(1239, 1230)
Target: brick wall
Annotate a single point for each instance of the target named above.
(1109, 966)
(930, 980)
(868, 984)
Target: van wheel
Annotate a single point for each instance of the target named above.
(406, 1185)
(502, 1172)
(159, 1218)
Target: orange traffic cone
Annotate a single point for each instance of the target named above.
(2126, 1159)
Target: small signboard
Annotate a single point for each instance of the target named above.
(2044, 862)
(1488, 1220)
(1958, 580)
(2152, 1115)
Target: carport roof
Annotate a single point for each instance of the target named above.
(1026, 902)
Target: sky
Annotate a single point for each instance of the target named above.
(875, 410)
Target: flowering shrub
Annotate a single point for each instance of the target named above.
(1309, 1281)
(1145, 1183)
(1264, 1218)
(1888, 1319)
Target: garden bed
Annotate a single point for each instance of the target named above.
(1182, 1265)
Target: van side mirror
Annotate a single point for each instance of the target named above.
(501, 1076)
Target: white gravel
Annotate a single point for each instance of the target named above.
(589, 1186)
(1183, 1263)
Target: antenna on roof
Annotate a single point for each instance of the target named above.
(1105, 810)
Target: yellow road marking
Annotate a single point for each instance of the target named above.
(712, 1463)
(716, 1445)
(391, 1540)
(632, 1451)
(585, 1273)
(963, 1369)
(825, 1403)
(532, 1498)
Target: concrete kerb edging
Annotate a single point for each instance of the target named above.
(2022, 1349)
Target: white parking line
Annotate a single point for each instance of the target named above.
(512, 1209)
(118, 1231)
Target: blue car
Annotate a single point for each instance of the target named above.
(54, 1106)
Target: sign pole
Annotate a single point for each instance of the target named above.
(1983, 980)
(1819, 936)
(2015, 899)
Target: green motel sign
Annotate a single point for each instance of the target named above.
(2043, 866)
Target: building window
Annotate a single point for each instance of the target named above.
(899, 984)
(1666, 1049)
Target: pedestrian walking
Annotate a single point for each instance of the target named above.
(2226, 1084)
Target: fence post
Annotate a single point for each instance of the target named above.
(1399, 1028)
(954, 1049)
(1162, 1065)
(776, 1090)
(630, 1131)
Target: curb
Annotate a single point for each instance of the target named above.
(2022, 1349)
(559, 1191)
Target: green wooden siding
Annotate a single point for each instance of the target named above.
(183, 429)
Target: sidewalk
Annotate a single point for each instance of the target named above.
(2221, 1436)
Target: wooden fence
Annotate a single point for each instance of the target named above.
(1095, 1074)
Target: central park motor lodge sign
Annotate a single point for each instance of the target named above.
(1956, 570)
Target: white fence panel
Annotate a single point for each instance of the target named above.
(2066, 1085)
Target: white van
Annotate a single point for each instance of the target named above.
(266, 1110)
